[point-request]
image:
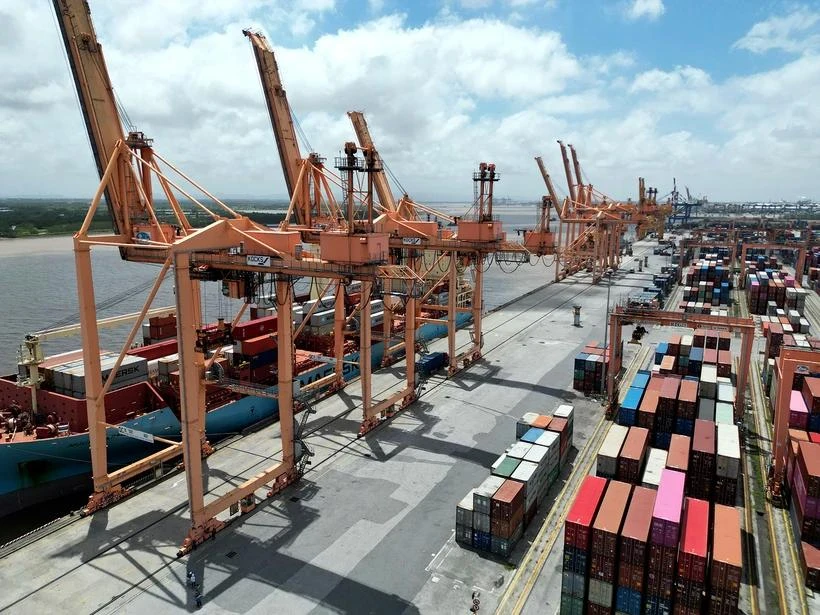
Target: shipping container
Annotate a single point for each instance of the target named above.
(727, 558)
(702, 461)
(655, 463)
(604, 551)
(532, 434)
(693, 554)
(464, 511)
(577, 529)
(678, 456)
(519, 450)
(668, 506)
(632, 456)
(482, 495)
(523, 424)
(607, 462)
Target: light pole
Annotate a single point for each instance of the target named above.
(608, 273)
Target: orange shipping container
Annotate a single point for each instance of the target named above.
(727, 553)
(678, 456)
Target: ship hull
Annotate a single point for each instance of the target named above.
(37, 471)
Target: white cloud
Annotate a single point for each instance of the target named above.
(795, 32)
(375, 5)
(439, 97)
(650, 9)
(669, 81)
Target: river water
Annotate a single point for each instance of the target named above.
(38, 286)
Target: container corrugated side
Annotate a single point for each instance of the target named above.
(607, 461)
(577, 530)
(484, 493)
(728, 451)
(655, 463)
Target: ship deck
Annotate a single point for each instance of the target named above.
(370, 527)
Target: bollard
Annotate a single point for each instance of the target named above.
(576, 312)
(646, 261)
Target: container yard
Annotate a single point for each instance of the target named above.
(357, 433)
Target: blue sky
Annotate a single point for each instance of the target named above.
(719, 94)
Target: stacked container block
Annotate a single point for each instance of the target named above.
(577, 545)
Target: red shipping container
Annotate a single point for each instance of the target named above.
(155, 351)
(669, 395)
(605, 530)
(655, 383)
(688, 399)
(710, 356)
(633, 453)
(727, 553)
(578, 525)
(635, 536)
(648, 409)
(694, 552)
(810, 562)
(698, 339)
(508, 502)
(560, 426)
(254, 328)
(678, 456)
(808, 460)
(811, 393)
(253, 346)
(724, 340)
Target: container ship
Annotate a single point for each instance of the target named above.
(45, 454)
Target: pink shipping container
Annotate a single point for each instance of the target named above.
(798, 412)
(668, 506)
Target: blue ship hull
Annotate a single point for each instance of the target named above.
(39, 470)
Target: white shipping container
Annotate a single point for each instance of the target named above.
(484, 493)
(523, 424)
(728, 451)
(726, 393)
(527, 473)
(708, 382)
(549, 439)
(565, 411)
(322, 318)
(464, 510)
(655, 463)
(607, 465)
(538, 454)
(519, 450)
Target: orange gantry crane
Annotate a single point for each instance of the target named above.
(128, 166)
(621, 315)
(590, 224)
(410, 239)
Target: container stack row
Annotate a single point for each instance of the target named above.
(767, 291)
(591, 366)
(493, 516)
(633, 550)
(709, 460)
(779, 332)
(708, 286)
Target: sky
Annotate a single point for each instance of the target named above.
(721, 94)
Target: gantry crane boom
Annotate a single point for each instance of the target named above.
(547, 180)
(570, 183)
(99, 111)
(278, 109)
(380, 182)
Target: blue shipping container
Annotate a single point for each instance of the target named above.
(641, 380)
(533, 433)
(628, 601)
